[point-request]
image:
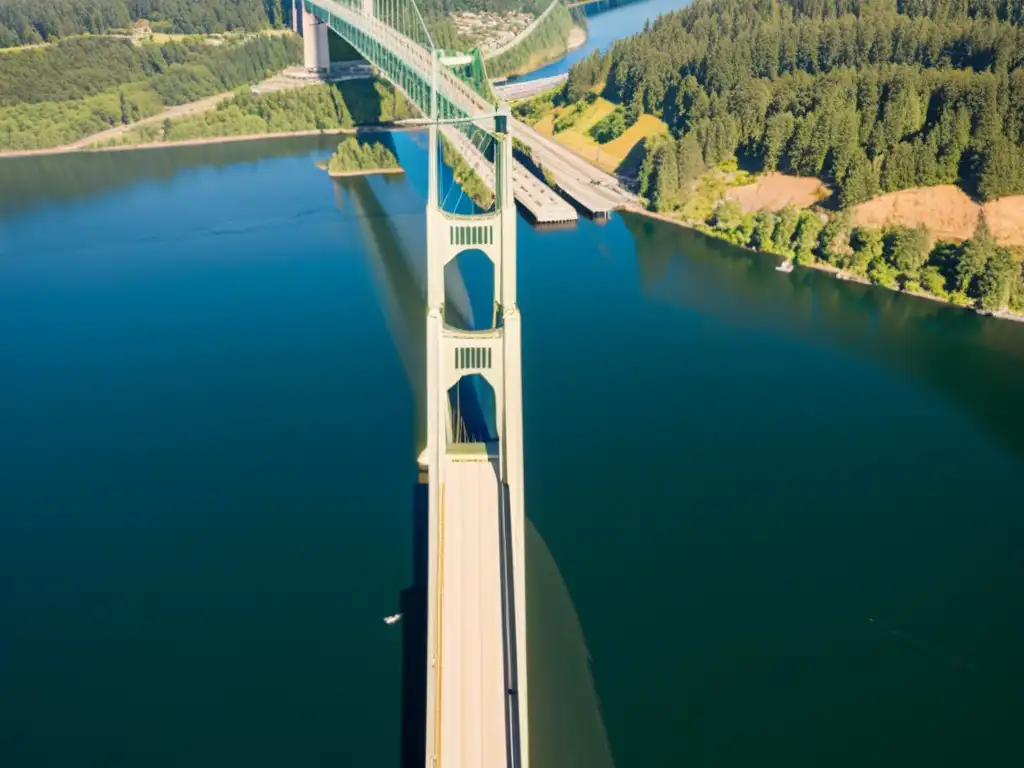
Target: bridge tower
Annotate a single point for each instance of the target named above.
(494, 354)
(316, 50)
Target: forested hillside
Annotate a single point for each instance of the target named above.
(325, 107)
(78, 87)
(870, 95)
(36, 21)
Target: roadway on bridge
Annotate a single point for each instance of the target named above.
(471, 692)
(597, 191)
(527, 88)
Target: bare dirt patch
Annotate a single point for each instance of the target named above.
(774, 191)
(946, 210)
(1006, 219)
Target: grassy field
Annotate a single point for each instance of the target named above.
(610, 156)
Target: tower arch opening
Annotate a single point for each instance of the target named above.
(473, 409)
(469, 291)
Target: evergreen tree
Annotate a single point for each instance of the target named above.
(834, 240)
(974, 257)
(665, 177)
(785, 228)
(868, 248)
(764, 227)
(909, 249)
(1000, 170)
(805, 240)
(997, 282)
(860, 182)
(728, 216)
(777, 133)
(1017, 290)
(690, 159)
(899, 171)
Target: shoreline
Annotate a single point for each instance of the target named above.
(828, 268)
(368, 172)
(67, 150)
(577, 39)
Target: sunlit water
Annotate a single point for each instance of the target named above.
(604, 28)
(787, 509)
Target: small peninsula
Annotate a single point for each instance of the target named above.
(355, 158)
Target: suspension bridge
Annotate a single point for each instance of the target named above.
(477, 713)
(392, 36)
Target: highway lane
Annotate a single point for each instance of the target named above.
(470, 701)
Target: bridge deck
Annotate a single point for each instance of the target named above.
(470, 701)
(597, 191)
(527, 89)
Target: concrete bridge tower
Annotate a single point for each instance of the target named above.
(495, 355)
(317, 54)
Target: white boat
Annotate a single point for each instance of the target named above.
(392, 619)
(786, 266)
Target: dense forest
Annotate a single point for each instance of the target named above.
(354, 156)
(112, 82)
(82, 67)
(869, 95)
(25, 22)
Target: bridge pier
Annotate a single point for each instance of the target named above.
(316, 50)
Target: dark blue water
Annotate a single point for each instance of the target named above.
(787, 509)
(605, 28)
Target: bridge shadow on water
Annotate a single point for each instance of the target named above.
(413, 601)
(565, 720)
(566, 723)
